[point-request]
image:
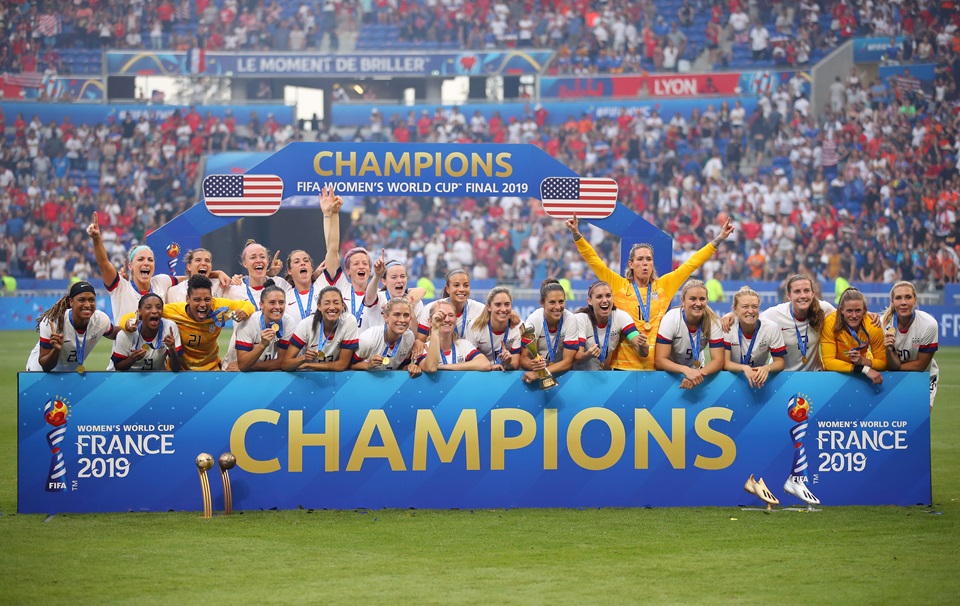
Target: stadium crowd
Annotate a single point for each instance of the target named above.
(590, 36)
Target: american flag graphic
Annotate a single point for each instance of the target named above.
(563, 197)
(242, 195)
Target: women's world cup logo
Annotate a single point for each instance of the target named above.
(173, 251)
(798, 409)
(55, 413)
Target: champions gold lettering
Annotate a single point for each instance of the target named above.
(511, 429)
(413, 164)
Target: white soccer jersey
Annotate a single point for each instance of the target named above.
(248, 335)
(621, 324)
(792, 330)
(372, 343)
(481, 339)
(98, 326)
(345, 336)
(156, 358)
(352, 300)
(178, 292)
(245, 292)
(471, 311)
(766, 341)
(124, 296)
(569, 337)
(373, 315)
(920, 337)
(303, 304)
(673, 331)
(460, 351)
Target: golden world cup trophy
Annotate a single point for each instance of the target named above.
(227, 461)
(204, 463)
(546, 377)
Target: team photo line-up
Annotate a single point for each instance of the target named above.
(357, 313)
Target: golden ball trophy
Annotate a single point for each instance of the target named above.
(204, 463)
(227, 461)
(546, 377)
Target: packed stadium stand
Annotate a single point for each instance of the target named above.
(865, 187)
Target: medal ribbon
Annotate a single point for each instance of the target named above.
(217, 313)
(323, 335)
(304, 312)
(853, 333)
(453, 353)
(606, 340)
(353, 305)
(643, 306)
(801, 339)
(499, 356)
(745, 359)
(552, 347)
(387, 350)
(694, 345)
(250, 295)
(912, 318)
(81, 347)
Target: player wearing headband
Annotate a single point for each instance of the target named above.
(263, 337)
(800, 320)
(497, 330)
(640, 292)
(910, 335)
(325, 340)
(353, 277)
(388, 347)
(684, 335)
(555, 331)
(69, 331)
(200, 321)
(602, 327)
(751, 342)
(393, 277)
(850, 341)
(125, 294)
(154, 345)
(445, 350)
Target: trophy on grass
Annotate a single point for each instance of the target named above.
(546, 377)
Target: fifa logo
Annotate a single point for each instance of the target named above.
(55, 413)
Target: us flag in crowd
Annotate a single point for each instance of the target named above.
(563, 197)
(242, 195)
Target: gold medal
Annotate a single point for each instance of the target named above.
(146, 347)
(647, 325)
(803, 359)
(81, 369)
(696, 363)
(385, 361)
(275, 327)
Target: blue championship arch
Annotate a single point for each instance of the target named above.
(128, 441)
(425, 169)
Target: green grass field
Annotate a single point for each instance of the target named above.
(841, 555)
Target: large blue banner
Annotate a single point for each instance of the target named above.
(255, 65)
(128, 442)
(414, 169)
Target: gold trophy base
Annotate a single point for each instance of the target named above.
(546, 380)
